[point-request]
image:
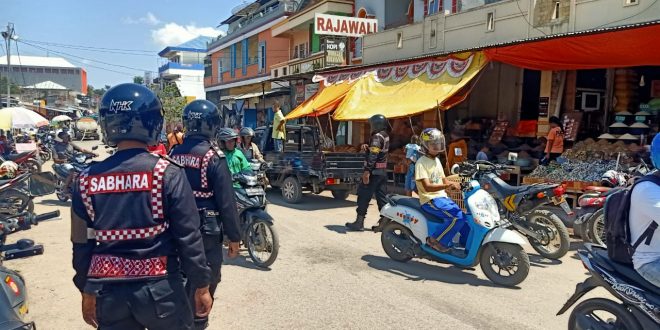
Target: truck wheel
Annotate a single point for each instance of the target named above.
(291, 190)
(340, 194)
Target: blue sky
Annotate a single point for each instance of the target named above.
(117, 24)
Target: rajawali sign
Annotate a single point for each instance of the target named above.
(344, 26)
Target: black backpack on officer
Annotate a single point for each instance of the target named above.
(617, 223)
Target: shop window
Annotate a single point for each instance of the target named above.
(262, 56)
(399, 40)
(490, 21)
(284, 71)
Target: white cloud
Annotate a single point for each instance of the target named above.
(172, 34)
(149, 19)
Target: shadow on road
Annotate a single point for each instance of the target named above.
(575, 245)
(309, 202)
(418, 271)
(337, 229)
(243, 261)
(54, 202)
(539, 261)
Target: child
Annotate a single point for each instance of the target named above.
(483, 154)
(431, 186)
(412, 154)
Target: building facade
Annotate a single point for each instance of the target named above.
(185, 67)
(36, 71)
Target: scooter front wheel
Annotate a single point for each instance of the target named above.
(397, 242)
(599, 313)
(263, 243)
(504, 263)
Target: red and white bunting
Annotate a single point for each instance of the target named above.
(433, 69)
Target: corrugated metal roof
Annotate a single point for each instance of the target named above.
(494, 45)
(52, 62)
(47, 85)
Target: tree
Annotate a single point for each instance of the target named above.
(90, 90)
(173, 103)
(138, 80)
(14, 89)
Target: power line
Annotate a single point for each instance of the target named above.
(20, 65)
(526, 20)
(96, 50)
(84, 58)
(90, 47)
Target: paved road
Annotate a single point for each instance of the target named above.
(325, 277)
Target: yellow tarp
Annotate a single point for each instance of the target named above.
(324, 101)
(408, 96)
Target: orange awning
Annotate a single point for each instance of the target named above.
(324, 101)
(625, 47)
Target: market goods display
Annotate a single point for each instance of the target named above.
(590, 150)
(574, 170)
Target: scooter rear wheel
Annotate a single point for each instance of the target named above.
(596, 313)
(504, 263)
(393, 232)
(263, 243)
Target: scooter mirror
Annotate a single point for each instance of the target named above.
(95, 147)
(455, 169)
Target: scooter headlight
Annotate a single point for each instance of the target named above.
(484, 209)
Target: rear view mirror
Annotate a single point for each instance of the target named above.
(95, 147)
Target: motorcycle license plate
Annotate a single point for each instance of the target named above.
(255, 191)
(564, 205)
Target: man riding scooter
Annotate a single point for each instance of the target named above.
(227, 140)
(250, 150)
(63, 150)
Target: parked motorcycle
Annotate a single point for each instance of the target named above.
(257, 231)
(27, 161)
(13, 296)
(13, 197)
(405, 228)
(590, 202)
(520, 205)
(79, 161)
(639, 306)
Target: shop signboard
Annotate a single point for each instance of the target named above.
(344, 26)
(544, 104)
(335, 49)
(300, 93)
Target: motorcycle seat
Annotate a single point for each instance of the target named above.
(507, 190)
(597, 189)
(14, 157)
(626, 271)
(413, 203)
(3, 182)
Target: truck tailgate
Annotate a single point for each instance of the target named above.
(344, 165)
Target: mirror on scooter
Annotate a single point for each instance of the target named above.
(455, 169)
(95, 147)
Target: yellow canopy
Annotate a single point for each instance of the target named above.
(403, 95)
(324, 101)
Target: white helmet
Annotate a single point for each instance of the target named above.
(432, 140)
(8, 169)
(613, 179)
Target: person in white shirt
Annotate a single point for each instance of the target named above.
(644, 211)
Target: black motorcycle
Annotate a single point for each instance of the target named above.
(257, 232)
(80, 162)
(522, 207)
(639, 306)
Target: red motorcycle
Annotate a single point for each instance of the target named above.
(27, 161)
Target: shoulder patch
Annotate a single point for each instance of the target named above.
(169, 159)
(374, 150)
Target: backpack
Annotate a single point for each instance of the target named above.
(617, 229)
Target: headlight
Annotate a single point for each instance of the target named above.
(484, 209)
(81, 159)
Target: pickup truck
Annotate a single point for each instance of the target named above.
(305, 167)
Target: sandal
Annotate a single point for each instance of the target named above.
(436, 245)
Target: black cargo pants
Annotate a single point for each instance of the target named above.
(154, 305)
(213, 251)
(377, 186)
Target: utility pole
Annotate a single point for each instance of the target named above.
(9, 35)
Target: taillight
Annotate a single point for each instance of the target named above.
(540, 195)
(331, 181)
(12, 285)
(559, 190)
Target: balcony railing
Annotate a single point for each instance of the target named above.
(308, 64)
(250, 23)
(180, 66)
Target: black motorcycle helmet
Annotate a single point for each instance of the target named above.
(130, 112)
(201, 118)
(377, 123)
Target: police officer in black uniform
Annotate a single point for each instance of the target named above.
(135, 225)
(374, 177)
(211, 181)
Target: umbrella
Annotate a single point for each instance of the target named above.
(61, 118)
(19, 117)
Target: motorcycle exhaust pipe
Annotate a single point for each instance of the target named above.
(47, 216)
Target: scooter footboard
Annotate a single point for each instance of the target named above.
(408, 217)
(504, 235)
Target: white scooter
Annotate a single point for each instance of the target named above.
(405, 227)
